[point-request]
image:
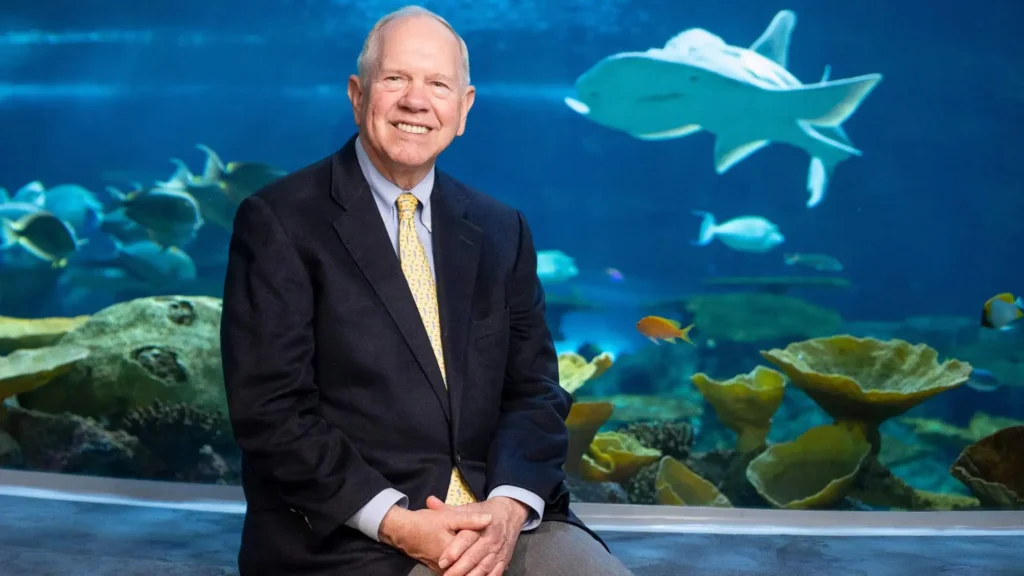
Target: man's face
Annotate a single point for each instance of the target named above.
(415, 102)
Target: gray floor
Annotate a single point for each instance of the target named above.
(47, 537)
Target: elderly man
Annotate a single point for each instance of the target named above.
(391, 380)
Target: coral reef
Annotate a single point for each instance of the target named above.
(187, 442)
(756, 317)
(816, 470)
(140, 351)
(23, 371)
(677, 485)
(865, 381)
(745, 403)
(993, 469)
(24, 333)
(671, 438)
(615, 457)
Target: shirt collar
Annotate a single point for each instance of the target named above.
(386, 193)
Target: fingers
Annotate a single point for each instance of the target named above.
(478, 561)
(457, 547)
(435, 503)
(499, 569)
(468, 521)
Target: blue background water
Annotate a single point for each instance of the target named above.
(926, 222)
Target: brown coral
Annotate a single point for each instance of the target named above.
(180, 436)
(671, 438)
(993, 468)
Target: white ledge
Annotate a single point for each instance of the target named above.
(601, 517)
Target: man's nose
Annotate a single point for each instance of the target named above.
(416, 97)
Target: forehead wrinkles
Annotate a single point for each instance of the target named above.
(422, 46)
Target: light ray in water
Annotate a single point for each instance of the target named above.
(88, 91)
(140, 37)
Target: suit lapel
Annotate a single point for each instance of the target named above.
(364, 235)
(456, 254)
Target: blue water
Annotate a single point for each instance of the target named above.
(926, 222)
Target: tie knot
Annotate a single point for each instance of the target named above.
(407, 205)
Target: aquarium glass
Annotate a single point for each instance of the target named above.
(776, 241)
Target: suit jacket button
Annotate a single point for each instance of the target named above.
(458, 458)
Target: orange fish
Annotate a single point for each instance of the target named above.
(657, 328)
(1001, 311)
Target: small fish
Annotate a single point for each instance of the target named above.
(43, 235)
(614, 274)
(239, 180)
(76, 205)
(555, 266)
(745, 234)
(656, 328)
(214, 203)
(136, 266)
(819, 262)
(1002, 311)
(983, 381)
(172, 216)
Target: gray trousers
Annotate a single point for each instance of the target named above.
(556, 549)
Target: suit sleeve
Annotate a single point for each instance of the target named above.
(531, 442)
(267, 349)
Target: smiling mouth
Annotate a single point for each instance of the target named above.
(411, 128)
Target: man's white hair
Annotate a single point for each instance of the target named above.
(369, 57)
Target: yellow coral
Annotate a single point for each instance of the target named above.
(615, 457)
(574, 371)
(585, 419)
(993, 468)
(677, 485)
(865, 380)
(816, 470)
(745, 403)
(25, 370)
(19, 333)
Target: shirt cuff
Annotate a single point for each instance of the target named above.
(368, 518)
(529, 499)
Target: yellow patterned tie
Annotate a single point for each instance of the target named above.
(416, 268)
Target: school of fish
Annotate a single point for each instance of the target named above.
(143, 238)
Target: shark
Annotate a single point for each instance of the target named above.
(746, 97)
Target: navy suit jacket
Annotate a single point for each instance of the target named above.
(333, 390)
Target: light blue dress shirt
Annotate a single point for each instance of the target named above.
(385, 193)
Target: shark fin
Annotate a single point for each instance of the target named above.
(826, 103)
(774, 41)
(670, 134)
(730, 150)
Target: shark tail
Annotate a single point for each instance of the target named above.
(828, 103)
(707, 228)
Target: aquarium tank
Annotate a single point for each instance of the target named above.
(774, 238)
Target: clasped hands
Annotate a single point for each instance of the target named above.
(469, 540)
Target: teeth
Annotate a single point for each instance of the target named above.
(411, 129)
